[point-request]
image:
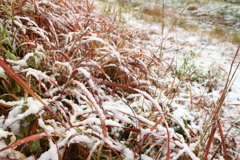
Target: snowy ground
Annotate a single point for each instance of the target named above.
(211, 53)
(193, 52)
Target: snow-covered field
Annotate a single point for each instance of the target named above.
(180, 78)
(212, 55)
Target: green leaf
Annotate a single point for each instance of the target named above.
(7, 140)
(8, 97)
(30, 118)
(5, 9)
(35, 147)
(9, 54)
(3, 75)
(26, 130)
(24, 107)
(8, 17)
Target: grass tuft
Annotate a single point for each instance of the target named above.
(77, 84)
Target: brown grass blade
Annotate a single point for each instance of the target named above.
(95, 104)
(4, 158)
(68, 59)
(25, 140)
(112, 84)
(210, 140)
(107, 61)
(158, 122)
(223, 140)
(73, 74)
(6, 105)
(142, 56)
(14, 76)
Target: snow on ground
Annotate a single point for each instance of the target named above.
(211, 54)
(191, 50)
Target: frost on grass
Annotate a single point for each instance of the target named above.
(111, 93)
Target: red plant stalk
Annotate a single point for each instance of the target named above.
(223, 140)
(23, 84)
(25, 140)
(210, 140)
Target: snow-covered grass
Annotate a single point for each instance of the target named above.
(76, 83)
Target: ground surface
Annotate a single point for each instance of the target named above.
(161, 83)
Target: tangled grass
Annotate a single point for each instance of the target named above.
(76, 85)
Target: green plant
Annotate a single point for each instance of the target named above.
(192, 1)
(237, 15)
(136, 4)
(88, 89)
(186, 66)
(235, 37)
(103, 0)
(182, 22)
(218, 32)
(120, 14)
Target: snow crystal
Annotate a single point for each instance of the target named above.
(2, 72)
(70, 36)
(47, 129)
(184, 150)
(30, 158)
(31, 71)
(84, 72)
(94, 148)
(89, 121)
(3, 133)
(22, 62)
(4, 153)
(112, 123)
(145, 157)
(66, 64)
(96, 128)
(51, 154)
(82, 139)
(16, 113)
(128, 154)
(88, 39)
(2, 119)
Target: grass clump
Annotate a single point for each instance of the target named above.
(183, 23)
(136, 4)
(77, 85)
(218, 33)
(152, 14)
(222, 34)
(235, 37)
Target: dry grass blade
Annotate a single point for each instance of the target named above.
(158, 122)
(97, 107)
(163, 116)
(4, 158)
(112, 84)
(14, 76)
(68, 59)
(155, 104)
(223, 140)
(25, 140)
(210, 140)
(155, 126)
(215, 116)
(5, 105)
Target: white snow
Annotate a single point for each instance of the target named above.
(187, 51)
(3, 133)
(22, 62)
(51, 154)
(16, 114)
